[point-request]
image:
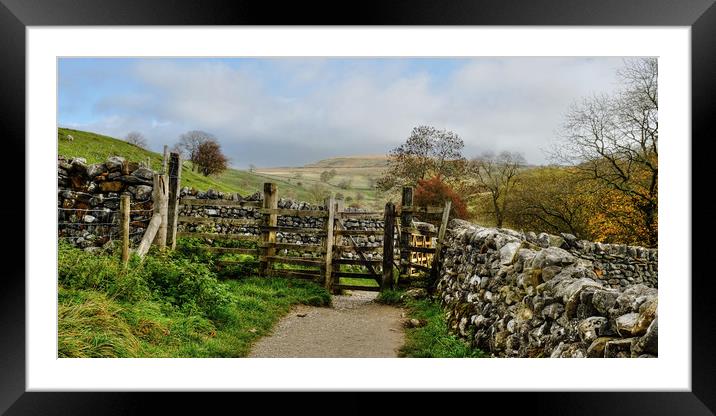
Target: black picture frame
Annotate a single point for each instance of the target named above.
(16, 15)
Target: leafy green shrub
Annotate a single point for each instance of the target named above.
(188, 285)
(246, 267)
(193, 249)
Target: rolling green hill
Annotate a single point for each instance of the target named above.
(355, 175)
(96, 148)
(378, 162)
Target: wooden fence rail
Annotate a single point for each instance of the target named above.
(418, 248)
(325, 261)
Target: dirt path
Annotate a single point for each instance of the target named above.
(355, 326)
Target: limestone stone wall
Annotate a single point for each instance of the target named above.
(204, 211)
(88, 200)
(516, 296)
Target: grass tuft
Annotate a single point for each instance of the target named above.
(433, 340)
(390, 297)
(90, 325)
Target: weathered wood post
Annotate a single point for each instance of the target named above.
(161, 207)
(435, 270)
(124, 204)
(330, 224)
(149, 235)
(165, 159)
(174, 173)
(406, 220)
(268, 235)
(388, 235)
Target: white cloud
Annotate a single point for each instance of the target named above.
(494, 104)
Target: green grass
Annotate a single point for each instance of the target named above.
(390, 297)
(96, 148)
(433, 340)
(351, 281)
(168, 306)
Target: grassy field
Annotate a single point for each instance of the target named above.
(355, 177)
(168, 306)
(96, 148)
(299, 183)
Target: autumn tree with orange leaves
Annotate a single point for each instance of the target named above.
(434, 191)
(612, 141)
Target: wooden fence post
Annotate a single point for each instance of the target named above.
(149, 235)
(388, 234)
(165, 159)
(330, 224)
(435, 270)
(268, 237)
(174, 173)
(161, 207)
(124, 204)
(406, 220)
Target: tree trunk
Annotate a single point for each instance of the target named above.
(649, 220)
(498, 213)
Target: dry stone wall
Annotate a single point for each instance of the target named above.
(219, 212)
(88, 200)
(514, 295)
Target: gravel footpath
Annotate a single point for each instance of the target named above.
(355, 326)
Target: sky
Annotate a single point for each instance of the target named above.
(293, 111)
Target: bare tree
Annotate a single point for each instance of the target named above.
(428, 152)
(136, 138)
(189, 143)
(613, 139)
(551, 198)
(496, 175)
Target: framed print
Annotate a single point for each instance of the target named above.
(470, 186)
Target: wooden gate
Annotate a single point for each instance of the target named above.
(367, 267)
(364, 256)
(421, 234)
(270, 257)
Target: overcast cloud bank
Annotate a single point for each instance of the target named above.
(291, 111)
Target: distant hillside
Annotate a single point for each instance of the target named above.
(355, 177)
(367, 161)
(96, 148)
